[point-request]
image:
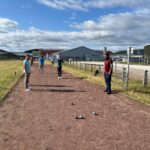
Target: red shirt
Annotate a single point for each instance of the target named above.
(107, 66)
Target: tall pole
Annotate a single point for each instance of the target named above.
(105, 50)
(128, 67)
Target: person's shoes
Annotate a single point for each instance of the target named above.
(58, 77)
(108, 93)
(27, 90)
(105, 91)
(29, 87)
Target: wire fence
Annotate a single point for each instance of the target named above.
(119, 72)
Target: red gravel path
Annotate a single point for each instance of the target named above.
(44, 118)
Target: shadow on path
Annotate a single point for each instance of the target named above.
(55, 90)
(47, 85)
(76, 78)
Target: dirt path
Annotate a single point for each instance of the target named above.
(44, 118)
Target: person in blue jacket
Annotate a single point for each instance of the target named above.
(41, 64)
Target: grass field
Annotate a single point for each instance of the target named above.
(10, 73)
(135, 90)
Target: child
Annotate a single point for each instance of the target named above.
(27, 71)
(41, 63)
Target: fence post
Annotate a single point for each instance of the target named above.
(91, 67)
(145, 82)
(76, 64)
(124, 75)
(125, 78)
(94, 67)
(99, 69)
(80, 66)
(115, 67)
(85, 67)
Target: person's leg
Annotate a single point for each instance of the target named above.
(106, 82)
(60, 71)
(109, 84)
(26, 80)
(39, 67)
(42, 67)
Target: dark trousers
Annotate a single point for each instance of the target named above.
(108, 81)
(26, 81)
(59, 70)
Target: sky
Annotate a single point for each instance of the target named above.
(66, 24)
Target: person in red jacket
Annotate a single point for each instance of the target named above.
(108, 70)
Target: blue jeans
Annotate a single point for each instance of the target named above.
(108, 82)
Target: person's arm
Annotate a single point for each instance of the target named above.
(24, 67)
(111, 67)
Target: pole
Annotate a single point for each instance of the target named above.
(105, 50)
(128, 66)
(145, 82)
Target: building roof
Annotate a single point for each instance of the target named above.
(74, 49)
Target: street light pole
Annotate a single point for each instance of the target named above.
(128, 67)
(105, 50)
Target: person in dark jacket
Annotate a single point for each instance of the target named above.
(59, 67)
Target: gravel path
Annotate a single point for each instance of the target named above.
(44, 119)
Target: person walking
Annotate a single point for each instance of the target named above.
(41, 64)
(108, 70)
(27, 72)
(59, 67)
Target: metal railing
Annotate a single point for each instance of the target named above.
(142, 76)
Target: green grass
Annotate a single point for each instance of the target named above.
(135, 89)
(8, 78)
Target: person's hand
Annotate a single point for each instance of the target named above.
(24, 71)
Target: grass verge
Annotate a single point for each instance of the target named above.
(10, 73)
(135, 91)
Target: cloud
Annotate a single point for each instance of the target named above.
(73, 16)
(24, 6)
(86, 5)
(129, 28)
(7, 23)
(60, 4)
(35, 38)
(117, 31)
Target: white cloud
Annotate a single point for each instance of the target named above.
(86, 5)
(73, 16)
(6, 23)
(24, 6)
(60, 4)
(129, 28)
(117, 31)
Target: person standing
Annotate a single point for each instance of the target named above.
(41, 63)
(27, 71)
(108, 70)
(59, 67)
(32, 60)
